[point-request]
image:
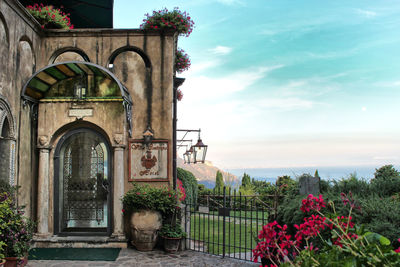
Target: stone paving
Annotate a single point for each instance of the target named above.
(156, 258)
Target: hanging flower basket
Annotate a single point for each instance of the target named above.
(50, 17)
(182, 61)
(165, 19)
(179, 94)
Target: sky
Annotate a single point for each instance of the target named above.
(283, 83)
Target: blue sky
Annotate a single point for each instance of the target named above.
(284, 83)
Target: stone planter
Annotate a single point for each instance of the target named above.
(171, 244)
(144, 226)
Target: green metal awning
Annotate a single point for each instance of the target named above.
(47, 78)
(43, 81)
(84, 13)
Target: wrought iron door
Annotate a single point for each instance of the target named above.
(83, 186)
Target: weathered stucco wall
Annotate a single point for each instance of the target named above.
(141, 60)
(20, 42)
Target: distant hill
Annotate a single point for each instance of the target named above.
(205, 173)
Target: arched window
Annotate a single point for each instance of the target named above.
(7, 144)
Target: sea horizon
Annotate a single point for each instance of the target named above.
(325, 172)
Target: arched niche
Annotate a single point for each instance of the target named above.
(68, 54)
(26, 61)
(132, 66)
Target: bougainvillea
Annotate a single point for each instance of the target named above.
(348, 245)
(182, 61)
(165, 19)
(50, 17)
(181, 191)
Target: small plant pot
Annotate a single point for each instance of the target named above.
(171, 244)
(15, 262)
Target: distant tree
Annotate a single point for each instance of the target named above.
(386, 172)
(316, 174)
(246, 180)
(247, 187)
(219, 182)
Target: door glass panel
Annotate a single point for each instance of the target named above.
(84, 183)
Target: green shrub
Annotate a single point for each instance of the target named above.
(190, 185)
(145, 197)
(386, 181)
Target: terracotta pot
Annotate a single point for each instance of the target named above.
(144, 229)
(11, 261)
(171, 244)
(15, 262)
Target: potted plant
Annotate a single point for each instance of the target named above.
(166, 19)
(16, 232)
(145, 207)
(50, 17)
(172, 233)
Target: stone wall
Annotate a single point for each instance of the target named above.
(142, 60)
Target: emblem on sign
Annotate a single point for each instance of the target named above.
(147, 161)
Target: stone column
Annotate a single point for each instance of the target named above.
(43, 193)
(118, 178)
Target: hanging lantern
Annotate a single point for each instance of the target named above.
(200, 151)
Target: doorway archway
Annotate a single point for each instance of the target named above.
(82, 184)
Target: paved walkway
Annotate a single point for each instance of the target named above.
(156, 258)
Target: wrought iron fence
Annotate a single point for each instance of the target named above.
(227, 224)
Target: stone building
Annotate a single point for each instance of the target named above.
(77, 108)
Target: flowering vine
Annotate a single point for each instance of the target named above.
(166, 19)
(50, 17)
(182, 61)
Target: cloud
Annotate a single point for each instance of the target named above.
(224, 85)
(221, 50)
(366, 13)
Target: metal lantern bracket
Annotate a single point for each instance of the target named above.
(197, 152)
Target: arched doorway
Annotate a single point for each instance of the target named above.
(82, 186)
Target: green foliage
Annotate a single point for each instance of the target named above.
(380, 215)
(247, 187)
(263, 187)
(246, 180)
(172, 230)
(219, 183)
(350, 184)
(190, 184)
(386, 181)
(145, 197)
(16, 230)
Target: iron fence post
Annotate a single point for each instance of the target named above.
(223, 224)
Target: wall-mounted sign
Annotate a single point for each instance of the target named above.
(148, 162)
(80, 112)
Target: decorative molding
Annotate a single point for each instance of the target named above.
(43, 140)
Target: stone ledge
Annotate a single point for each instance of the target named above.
(79, 242)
